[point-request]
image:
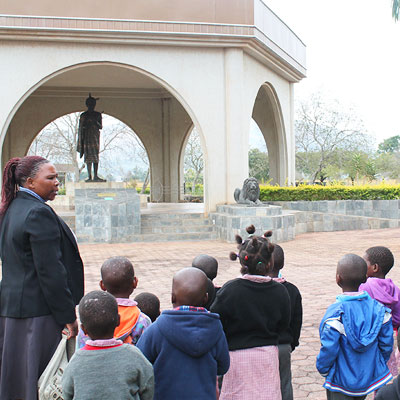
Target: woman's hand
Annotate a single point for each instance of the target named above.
(71, 329)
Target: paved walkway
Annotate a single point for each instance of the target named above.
(310, 264)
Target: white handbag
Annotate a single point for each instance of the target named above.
(49, 383)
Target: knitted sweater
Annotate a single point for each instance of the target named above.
(118, 373)
(253, 314)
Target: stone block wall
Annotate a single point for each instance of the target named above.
(365, 208)
(111, 215)
(231, 220)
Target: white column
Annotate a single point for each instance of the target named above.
(236, 128)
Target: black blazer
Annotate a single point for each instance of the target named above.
(42, 268)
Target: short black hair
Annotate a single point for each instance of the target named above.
(352, 269)
(279, 257)
(211, 293)
(381, 256)
(208, 264)
(117, 274)
(98, 312)
(149, 303)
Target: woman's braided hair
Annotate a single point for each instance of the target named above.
(15, 174)
(254, 253)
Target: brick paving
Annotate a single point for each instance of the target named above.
(310, 264)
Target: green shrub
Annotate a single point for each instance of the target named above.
(146, 191)
(62, 191)
(334, 192)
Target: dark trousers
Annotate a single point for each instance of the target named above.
(340, 396)
(285, 371)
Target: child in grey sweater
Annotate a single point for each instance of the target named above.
(105, 368)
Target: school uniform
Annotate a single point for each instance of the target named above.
(254, 310)
(289, 339)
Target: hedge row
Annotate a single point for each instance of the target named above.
(334, 192)
(146, 191)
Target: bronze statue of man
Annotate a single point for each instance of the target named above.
(90, 123)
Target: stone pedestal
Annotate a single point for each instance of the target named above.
(232, 219)
(106, 214)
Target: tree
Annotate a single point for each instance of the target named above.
(57, 142)
(322, 130)
(258, 165)
(388, 165)
(390, 145)
(193, 160)
(395, 9)
(359, 165)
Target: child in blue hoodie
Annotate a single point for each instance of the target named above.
(186, 345)
(356, 337)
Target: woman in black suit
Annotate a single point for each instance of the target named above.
(42, 276)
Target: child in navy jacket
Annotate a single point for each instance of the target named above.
(186, 345)
(356, 337)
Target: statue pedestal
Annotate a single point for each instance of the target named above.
(106, 213)
(232, 219)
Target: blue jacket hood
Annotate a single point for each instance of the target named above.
(191, 332)
(362, 318)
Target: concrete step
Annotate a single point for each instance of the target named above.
(153, 222)
(170, 216)
(178, 229)
(165, 227)
(174, 237)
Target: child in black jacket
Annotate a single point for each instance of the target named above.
(289, 339)
(254, 312)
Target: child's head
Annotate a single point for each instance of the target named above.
(98, 312)
(379, 261)
(118, 277)
(208, 264)
(149, 303)
(189, 288)
(210, 293)
(255, 253)
(351, 272)
(278, 257)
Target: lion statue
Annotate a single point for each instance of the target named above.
(249, 194)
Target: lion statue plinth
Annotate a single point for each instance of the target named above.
(249, 194)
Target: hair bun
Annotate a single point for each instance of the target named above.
(268, 234)
(251, 229)
(238, 239)
(233, 256)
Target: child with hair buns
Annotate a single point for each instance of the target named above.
(254, 310)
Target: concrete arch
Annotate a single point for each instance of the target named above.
(175, 116)
(267, 114)
(45, 79)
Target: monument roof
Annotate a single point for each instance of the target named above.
(220, 23)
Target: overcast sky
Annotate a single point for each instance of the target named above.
(352, 55)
